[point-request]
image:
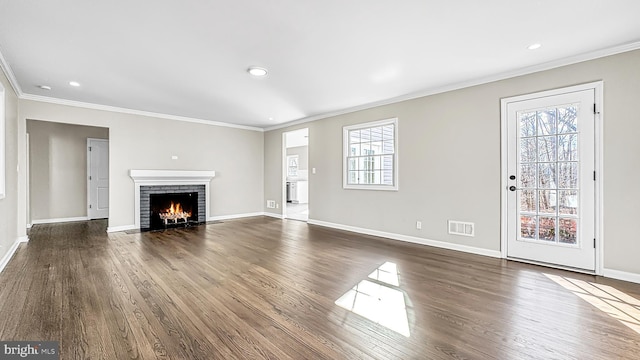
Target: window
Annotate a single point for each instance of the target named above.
(2, 144)
(292, 165)
(371, 155)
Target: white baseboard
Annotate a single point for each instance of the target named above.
(621, 275)
(273, 215)
(111, 229)
(234, 216)
(411, 239)
(59, 220)
(12, 250)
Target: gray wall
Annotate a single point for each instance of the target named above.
(141, 142)
(9, 205)
(58, 168)
(449, 161)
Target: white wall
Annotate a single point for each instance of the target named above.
(58, 168)
(449, 161)
(9, 205)
(141, 142)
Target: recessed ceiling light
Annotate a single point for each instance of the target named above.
(44, 87)
(534, 46)
(257, 71)
(74, 83)
(270, 118)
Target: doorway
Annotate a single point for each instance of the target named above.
(58, 174)
(296, 171)
(549, 177)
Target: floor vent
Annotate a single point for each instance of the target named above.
(461, 228)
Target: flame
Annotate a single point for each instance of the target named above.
(175, 209)
(175, 212)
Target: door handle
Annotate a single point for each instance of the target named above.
(512, 188)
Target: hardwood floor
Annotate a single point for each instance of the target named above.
(265, 288)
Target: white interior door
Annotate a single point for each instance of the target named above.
(551, 179)
(98, 178)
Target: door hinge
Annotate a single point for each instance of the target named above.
(90, 177)
(89, 206)
(594, 175)
(593, 110)
(594, 243)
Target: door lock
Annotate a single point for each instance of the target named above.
(512, 188)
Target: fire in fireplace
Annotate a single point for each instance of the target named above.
(173, 210)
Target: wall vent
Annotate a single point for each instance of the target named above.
(461, 228)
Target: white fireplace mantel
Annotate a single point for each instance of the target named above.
(161, 177)
(169, 177)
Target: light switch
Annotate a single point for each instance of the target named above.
(313, 170)
(174, 157)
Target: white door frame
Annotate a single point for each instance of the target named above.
(598, 88)
(27, 175)
(283, 184)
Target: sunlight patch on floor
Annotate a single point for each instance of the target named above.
(379, 299)
(615, 303)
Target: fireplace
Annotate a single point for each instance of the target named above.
(169, 206)
(156, 190)
(173, 210)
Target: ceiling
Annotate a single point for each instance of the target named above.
(190, 58)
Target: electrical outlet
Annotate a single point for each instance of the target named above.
(277, 205)
(271, 204)
(419, 225)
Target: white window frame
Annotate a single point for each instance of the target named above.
(345, 155)
(3, 143)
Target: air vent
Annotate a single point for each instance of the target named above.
(461, 228)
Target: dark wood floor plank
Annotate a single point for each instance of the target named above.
(262, 288)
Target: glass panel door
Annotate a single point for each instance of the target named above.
(551, 190)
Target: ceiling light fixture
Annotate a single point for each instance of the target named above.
(257, 71)
(74, 83)
(44, 87)
(534, 46)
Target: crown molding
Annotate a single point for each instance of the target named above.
(465, 84)
(134, 112)
(4, 65)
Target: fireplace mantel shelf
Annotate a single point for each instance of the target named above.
(171, 175)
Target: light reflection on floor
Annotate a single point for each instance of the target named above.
(607, 299)
(379, 299)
